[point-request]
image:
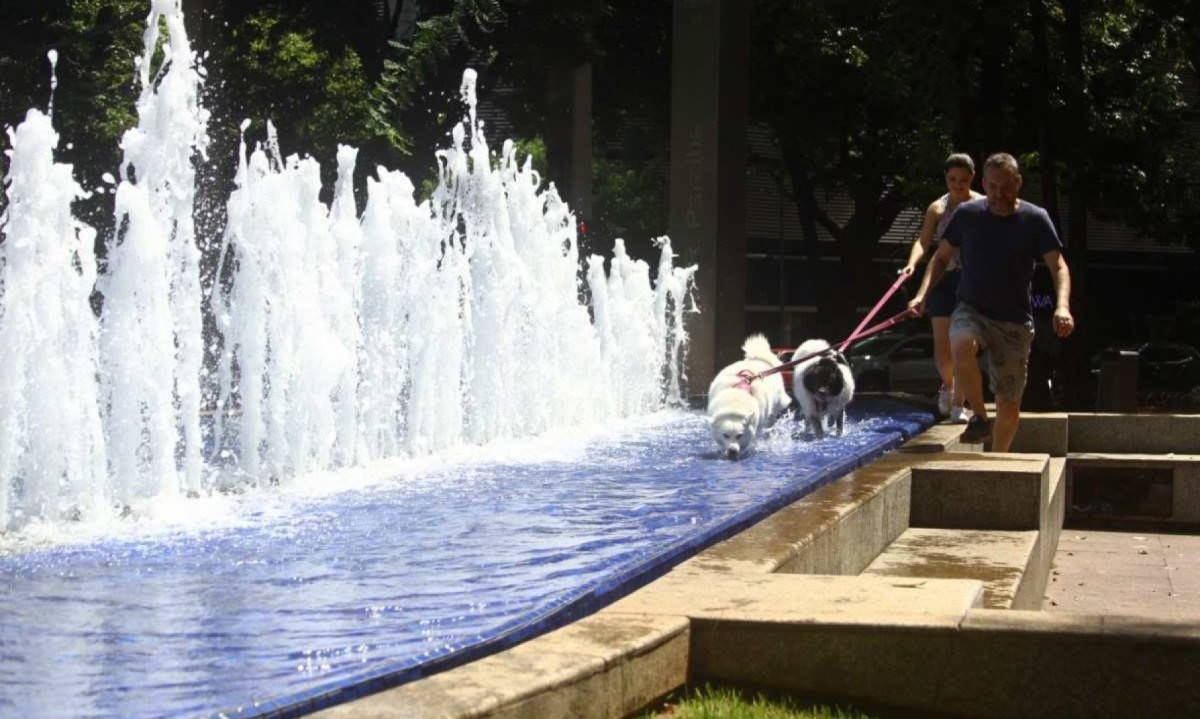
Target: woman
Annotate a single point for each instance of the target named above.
(960, 172)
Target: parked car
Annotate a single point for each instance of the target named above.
(887, 362)
(895, 362)
(1161, 365)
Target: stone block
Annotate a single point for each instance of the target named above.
(994, 492)
(1001, 560)
(1043, 433)
(1134, 433)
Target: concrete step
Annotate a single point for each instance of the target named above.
(1042, 432)
(1003, 561)
(980, 491)
(1134, 433)
(860, 601)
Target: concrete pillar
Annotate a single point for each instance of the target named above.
(709, 60)
(569, 135)
(1117, 387)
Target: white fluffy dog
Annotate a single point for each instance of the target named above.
(739, 410)
(823, 386)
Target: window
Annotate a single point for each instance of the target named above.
(917, 349)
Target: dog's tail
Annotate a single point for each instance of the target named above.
(758, 347)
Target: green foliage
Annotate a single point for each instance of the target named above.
(97, 43)
(868, 97)
(856, 92)
(316, 93)
(416, 65)
(535, 150)
(724, 703)
(630, 199)
(1138, 160)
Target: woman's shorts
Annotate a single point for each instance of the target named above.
(943, 296)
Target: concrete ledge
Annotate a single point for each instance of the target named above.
(981, 491)
(601, 667)
(838, 529)
(1129, 433)
(938, 438)
(1086, 666)
(804, 598)
(1003, 561)
(995, 663)
(1033, 589)
(1043, 433)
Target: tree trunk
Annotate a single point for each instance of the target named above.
(1076, 114)
(997, 36)
(1047, 159)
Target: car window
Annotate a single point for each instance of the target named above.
(872, 345)
(919, 348)
(1165, 353)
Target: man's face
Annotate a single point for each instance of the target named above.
(958, 180)
(1001, 186)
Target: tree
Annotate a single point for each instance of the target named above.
(856, 93)
(97, 43)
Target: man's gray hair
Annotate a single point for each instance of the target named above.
(1004, 160)
(959, 159)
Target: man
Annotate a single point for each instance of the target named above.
(997, 239)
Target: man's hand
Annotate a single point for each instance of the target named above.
(918, 304)
(907, 270)
(1064, 323)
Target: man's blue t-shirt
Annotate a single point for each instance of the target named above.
(998, 254)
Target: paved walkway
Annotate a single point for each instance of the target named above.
(1151, 575)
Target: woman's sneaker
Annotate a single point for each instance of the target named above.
(945, 399)
(959, 415)
(978, 430)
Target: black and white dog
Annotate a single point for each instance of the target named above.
(823, 386)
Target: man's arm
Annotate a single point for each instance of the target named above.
(933, 273)
(1064, 323)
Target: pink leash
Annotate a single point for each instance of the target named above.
(874, 311)
(859, 333)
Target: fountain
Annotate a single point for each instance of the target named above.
(422, 443)
(343, 340)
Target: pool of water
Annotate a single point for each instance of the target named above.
(291, 599)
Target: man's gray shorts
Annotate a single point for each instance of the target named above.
(1007, 345)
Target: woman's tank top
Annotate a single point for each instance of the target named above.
(948, 209)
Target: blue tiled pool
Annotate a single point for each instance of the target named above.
(304, 598)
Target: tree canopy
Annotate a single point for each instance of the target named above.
(866, 98)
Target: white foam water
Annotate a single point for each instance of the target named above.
(418, 327)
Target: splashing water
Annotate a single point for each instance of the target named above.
(151, 352)
(416, 327)
(50, 432)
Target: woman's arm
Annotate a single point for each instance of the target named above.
(924, 241)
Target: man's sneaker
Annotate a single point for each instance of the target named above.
(958, 415)
(978, 430)
(945, 398)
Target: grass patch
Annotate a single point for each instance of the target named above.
(709, 702)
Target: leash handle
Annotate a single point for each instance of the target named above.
(876, 329)
(858, 335)
(874, 311)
